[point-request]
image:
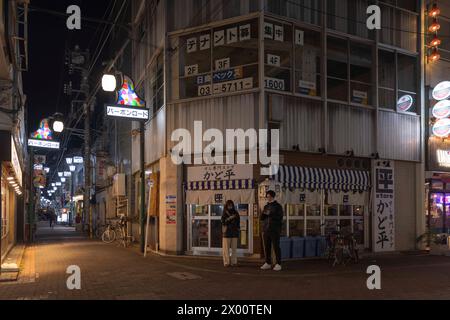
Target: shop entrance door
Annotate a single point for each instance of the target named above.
(205, 229)
(439, 212)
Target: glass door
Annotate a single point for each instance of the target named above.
(436, 212)
(205, 230)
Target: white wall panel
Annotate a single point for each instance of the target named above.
(399, 136)
(351, 129)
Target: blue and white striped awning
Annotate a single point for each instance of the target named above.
(320, 178)
(220, 185)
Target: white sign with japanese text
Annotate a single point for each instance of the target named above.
(128, 113)
(45, 144)
(384, 209)
(220, 173)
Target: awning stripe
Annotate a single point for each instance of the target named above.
(323, 178)
(221, 185)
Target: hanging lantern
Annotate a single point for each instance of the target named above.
(435, 11)
(435, 26)
(435, 42)
(434, 56)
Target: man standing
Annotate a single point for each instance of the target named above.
(272, 220)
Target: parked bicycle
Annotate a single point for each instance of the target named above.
(117, 231)
(341, 249)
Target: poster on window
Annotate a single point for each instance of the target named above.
(384, 209)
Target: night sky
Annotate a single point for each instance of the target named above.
(48, 40)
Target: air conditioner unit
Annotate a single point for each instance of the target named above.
(119, 189)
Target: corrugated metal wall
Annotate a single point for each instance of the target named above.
(233, 112)
(351, 129)
(399, 136)
(301, 122)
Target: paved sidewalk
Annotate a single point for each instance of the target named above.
(112, 272)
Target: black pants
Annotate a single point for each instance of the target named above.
(272, 239)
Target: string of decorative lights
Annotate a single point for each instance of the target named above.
(433, 28)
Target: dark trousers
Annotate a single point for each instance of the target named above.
(272, 239)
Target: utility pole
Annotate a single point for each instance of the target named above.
(80, 61)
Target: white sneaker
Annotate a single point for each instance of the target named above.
(277, 268)
(266, 267)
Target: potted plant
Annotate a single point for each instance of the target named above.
(436, 243)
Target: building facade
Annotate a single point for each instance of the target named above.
(437, 187)
(348, 103)
(13, 61)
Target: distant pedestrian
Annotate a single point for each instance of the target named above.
(230, 229)
(272, 220)
(51, 217)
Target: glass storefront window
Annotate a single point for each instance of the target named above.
(313, 228)
(358, 231)
(200, 233)
(358, 211)
(313, 210)
(345, 226)
(200, 210)
(216, 234)
(297, 228)
(331, 211)
(217, 210)
(346, 211)
(296, 210)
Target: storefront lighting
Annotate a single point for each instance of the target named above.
(434, 56)
(435, 26)
(435, 11)
(435, 42)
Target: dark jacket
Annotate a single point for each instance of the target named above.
(272, 218)
(232, 221)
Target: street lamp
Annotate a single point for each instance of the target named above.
(130, 106)
(69, 161)
(72, 168)
(109, 83)
(58, 125)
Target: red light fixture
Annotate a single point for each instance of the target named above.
(435, 11)
(435, 55)
(435, 26)
(435, 42)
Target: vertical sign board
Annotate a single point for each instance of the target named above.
(383, 210)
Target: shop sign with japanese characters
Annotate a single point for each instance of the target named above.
(220, 173)
(384, 209)
(130, 113)
(44, 144)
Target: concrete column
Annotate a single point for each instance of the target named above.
(171, 234)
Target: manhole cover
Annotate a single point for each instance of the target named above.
(184, 276)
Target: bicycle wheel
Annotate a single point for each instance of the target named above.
(109, 236)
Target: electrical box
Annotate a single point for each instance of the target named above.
(119, 188)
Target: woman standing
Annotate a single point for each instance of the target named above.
(230, 228)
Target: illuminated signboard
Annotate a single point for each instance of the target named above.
(441, 128)
(78, 160)
(405, 103)
(442, 109)
(45, 144)
(15, 162)
(117, 111)
(129, 105)
(442, 91)
(443, 158)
